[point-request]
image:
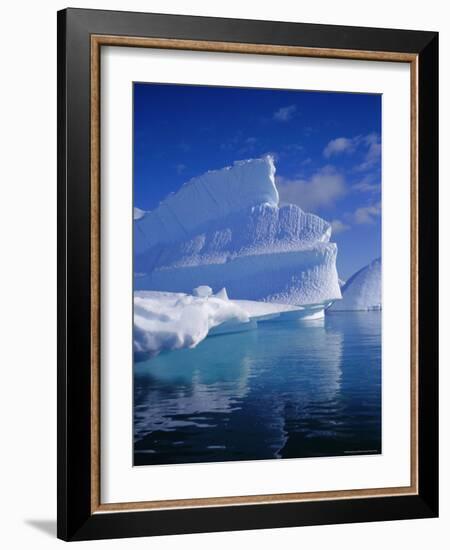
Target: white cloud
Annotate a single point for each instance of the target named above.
(367, 214)
(369, 144)
(283, 114)
(294, 147)
(239, 143)
(180, 168)
(367, 184)
(322, 189)
(339, 226)
(340, 145)
(248, 145)
(372, 155)
(366, 187)
(372, 139)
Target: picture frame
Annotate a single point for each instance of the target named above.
(81, 36)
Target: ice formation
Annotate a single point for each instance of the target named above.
(205, 199)
(167, 321)
(362, 292)
(172, 320)
(202, 291)
(138, 213)
(227, 229)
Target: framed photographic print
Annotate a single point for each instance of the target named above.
(247, 274)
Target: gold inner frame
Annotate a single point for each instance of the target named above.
(97, 41)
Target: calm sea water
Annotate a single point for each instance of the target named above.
(284, 390)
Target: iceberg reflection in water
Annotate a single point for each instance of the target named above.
(286, 390)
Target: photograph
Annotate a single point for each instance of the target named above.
(222, 248)
(257, 274)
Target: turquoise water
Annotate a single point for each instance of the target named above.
(285, 390)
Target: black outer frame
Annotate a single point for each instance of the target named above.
(75, 521)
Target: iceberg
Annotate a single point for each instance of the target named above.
(362, 292)
(168, 321)
(165, 321)
(138, 213)
(226, 228)
(207, 198)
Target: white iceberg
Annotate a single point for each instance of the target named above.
(166, 321)
(227, 229)
(223, 294)
(138, 213)
(205, 199)
(362, 292)
(202, 291)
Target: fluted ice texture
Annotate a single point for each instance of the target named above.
(226, 229)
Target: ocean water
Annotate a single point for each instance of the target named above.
(285, 390)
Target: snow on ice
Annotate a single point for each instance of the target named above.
(172, 320)
(226, 228)
(362, 292)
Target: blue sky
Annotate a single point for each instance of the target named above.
(327, 150)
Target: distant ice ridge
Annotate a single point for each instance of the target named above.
(166, 321)
(226, 229)
(138, 213)
(362, 292)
